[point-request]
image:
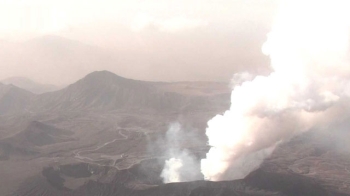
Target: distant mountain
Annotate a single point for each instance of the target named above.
(14, 99)
(104, 90)
(30, 85)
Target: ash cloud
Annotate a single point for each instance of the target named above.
(308, 89)
(309, 57)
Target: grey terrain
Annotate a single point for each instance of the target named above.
(104, 135)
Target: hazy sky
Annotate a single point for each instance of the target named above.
(192, 39)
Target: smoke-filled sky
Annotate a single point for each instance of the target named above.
(150, 40)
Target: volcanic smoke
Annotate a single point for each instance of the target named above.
(308, 48)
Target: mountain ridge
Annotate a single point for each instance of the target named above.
(105, 91)
(14, 99)
(30, 85)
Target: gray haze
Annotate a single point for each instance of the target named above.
(58, 42)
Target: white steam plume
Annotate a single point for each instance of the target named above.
(171, 171)
(183, 166)
(308, 47)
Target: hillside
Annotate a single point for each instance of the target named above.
(40, 134)
(35, 135)
(14, 99)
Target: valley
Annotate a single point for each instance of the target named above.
(106, 135)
